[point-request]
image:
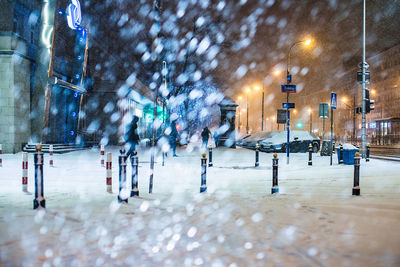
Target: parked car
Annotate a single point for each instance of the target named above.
(299, 142)
(251, 140)
(241, 139)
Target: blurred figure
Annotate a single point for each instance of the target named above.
(172, 138)
(216, 137)
(205, 135)
(132, 137)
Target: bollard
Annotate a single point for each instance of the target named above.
(203, 187)
(210, 163)
(257, 156)
(24, 172)
(275, 188)
(135, 177)
(163, 158)
(368, 151)
(102, 155)
(109, 172)
(51, 162)
(1, 152)
(310, 150)
(39, 201)
(356, 188)
(122, 196)
(341, 154)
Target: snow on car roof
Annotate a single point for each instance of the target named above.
(280, 137)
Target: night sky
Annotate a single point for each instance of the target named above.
(253, 35)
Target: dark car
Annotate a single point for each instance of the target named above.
(250, 141)
(299, 142)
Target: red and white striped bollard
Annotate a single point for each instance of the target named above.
(102, 155)
(24, 172)
(51, 162)
(109, 172)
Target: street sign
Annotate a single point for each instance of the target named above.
(287, 105)
(281, 116)
(333, 100)
(367, 77)
(289, 78)
(288, 88)
(323, 110)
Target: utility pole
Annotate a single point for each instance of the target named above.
(363, 119)
(247, 115)
(354, 119)
(262, 110)
(157, 11)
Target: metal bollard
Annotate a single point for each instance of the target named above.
(122, 193)
(257, 163)
(51, 162)
(275, 187)
(1, 152)
(38, 201)
(368, 151)
(135, 173)
(310, 154)
(24, 172)
(341, 154)
(163, 158)
(109, 172)
(210, 163)
(203, 187)
(356, 187)
(102, 155)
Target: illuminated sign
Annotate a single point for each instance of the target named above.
(74, 15)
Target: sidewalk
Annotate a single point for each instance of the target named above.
(314, 221)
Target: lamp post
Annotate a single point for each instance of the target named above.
(353, 109)
(310, 112)
(247, 110)
(239, 100)
(257, 88)
(289, 80)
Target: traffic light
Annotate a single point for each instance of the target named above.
(369, 104)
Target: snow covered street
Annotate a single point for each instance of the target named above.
(314, 221)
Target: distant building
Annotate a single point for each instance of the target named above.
(383, 123)
(47, 93)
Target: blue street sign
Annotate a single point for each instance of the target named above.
(333, 100)
(287, 105)
(288, 88)
(289, 78)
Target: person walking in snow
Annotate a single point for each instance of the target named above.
(205, 135)
(216, 137)
(132, 137)
(172, 138)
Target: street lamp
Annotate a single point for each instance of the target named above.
(310, 112)
(247, 112)
(239, 100)
(257, 88)
(289, 80)
(353, 108)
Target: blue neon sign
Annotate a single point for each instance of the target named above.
(74, 15)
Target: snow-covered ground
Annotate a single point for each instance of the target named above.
(314, 221)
